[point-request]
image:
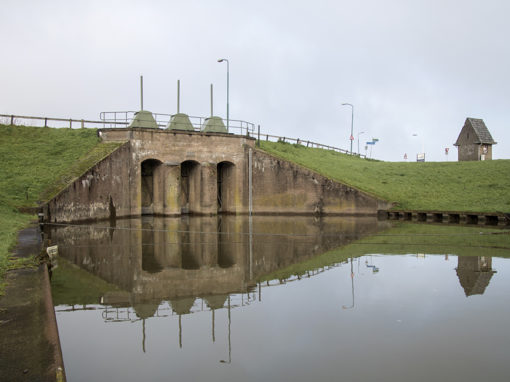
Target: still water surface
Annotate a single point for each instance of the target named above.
(298, 299)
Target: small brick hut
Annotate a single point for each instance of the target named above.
(474, 141)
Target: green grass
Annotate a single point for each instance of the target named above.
(409, 238)
(444, 186)
(71, 285)
(36, 163)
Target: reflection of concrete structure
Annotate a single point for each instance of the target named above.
(155, 259)
(474, 273)
(197, 260)
(172, 172)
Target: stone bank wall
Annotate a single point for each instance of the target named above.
(103, 192)
(282, 187)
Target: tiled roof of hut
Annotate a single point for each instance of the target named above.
(481, 130)
(474, 282)
(482, 133)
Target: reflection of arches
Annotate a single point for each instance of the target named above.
(150, 170)
(189, 196)
(149, 262)
(190, 255)
(226, 184)
(226, 257)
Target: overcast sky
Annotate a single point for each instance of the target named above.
(408, 67)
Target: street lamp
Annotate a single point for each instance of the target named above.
(228, 75)
(352, 121)
(358, 140)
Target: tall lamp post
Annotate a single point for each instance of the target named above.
(228, 75)
(361, 132)
(352, 121)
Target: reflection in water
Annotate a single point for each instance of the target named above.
(474, 273)
(195, 260)
(352, 288)
(184, 281)
(169, 259)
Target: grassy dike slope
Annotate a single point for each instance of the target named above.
(444, 186)
(35, 163)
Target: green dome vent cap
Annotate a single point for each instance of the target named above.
(180, 121)
(214, 125)
(143, 118)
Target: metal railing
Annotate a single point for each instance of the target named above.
(10, 119)
(303, 142)
(120, 119)
(235, 126)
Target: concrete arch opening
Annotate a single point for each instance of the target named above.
(189, 186)
(226, 187)
(152, 185)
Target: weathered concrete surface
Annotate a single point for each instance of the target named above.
(29, 343)
(162, 172)
(282, 187)
(102, 192)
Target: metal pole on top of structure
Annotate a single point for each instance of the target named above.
(178, 95)
(141, 92)
(212, 100)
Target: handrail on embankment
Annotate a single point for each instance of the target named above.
(123, 119)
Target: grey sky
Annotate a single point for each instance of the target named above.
(409, 67)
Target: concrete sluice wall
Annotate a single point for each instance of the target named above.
(155, 259)
(171, 173)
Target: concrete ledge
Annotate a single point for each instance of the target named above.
(450, 217)
(29, 343)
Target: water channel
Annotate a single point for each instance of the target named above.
(230, 298)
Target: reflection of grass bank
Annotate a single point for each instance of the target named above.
(36, 163)
(408, 238)
(447, 186)
(71, 285)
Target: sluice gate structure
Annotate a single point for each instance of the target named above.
(179, 172)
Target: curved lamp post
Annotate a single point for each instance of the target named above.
(228, 75)
(352, 121)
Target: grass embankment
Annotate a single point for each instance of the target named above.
(409, 238)
(443, 186)
(35, 164)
